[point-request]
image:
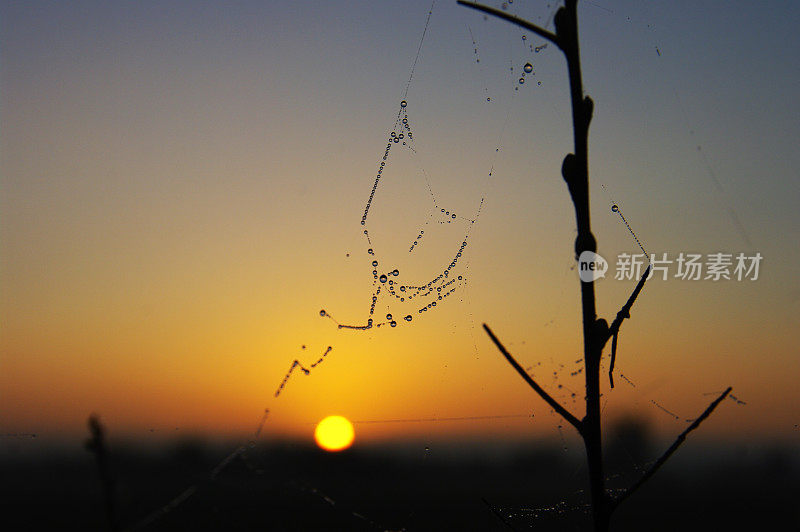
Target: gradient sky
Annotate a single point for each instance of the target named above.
(183, 183)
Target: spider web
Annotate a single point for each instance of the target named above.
(417, 246)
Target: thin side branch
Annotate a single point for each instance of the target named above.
(541, 32)
(497, 514)
(613, 358)
(575, 422)
(674, 447)
(625, 312)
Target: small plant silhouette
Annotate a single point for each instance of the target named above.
(596, 331)
(96, 444)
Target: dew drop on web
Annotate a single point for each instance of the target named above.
(528, 68)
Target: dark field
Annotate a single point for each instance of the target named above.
(287, 486)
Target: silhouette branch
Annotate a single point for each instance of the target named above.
(624, 313)
(552, 402)
(541, 32)
(674, 447)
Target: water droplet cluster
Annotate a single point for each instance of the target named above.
(527, 70)
(298, 365)
(387, 282)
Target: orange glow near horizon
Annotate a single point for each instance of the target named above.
(179, 200)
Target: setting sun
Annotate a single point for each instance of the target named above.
(334, 433)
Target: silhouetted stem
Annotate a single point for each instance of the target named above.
(541, 32)
(674, 447)
(625, 312)
(96, 445)
(596, 332)
(575, 170)
(552, 402)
